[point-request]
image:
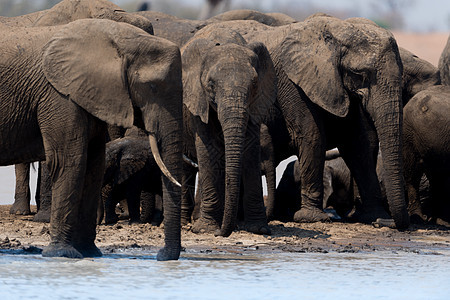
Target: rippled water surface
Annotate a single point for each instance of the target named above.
(137, 275)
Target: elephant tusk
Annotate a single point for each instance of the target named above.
(190, 161)
(159, 162)
(332, 154)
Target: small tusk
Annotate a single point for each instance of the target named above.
(190, 161)
(332, 154)
(159, 162)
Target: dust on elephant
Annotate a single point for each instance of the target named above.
(68, 11)
(339, 85)
(59, 85)
(131, 174)
(444, 64)
(228, 88)
(62, 13)
(271, 19)
(179, 30)
(427, 150)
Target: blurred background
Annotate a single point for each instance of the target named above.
(406, 15)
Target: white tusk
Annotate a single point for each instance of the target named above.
(159, 162)
(190, 161)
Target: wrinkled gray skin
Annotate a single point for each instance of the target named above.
(180, 30)
(110, 80)
(228, 87)
(131, 174)
(62, 13)
(426, 150)
(418, 75)
(444, 64)
(346, 99)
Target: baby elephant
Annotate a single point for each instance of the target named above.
(426, 136)
(131, 174)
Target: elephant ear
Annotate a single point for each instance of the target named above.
(310, 57)
(83, 62)
(192, 55)
(266, 91)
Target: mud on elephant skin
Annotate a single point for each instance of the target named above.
(427, 150)
(62, 13)
(131, 174)
(228, 87)
(110, 80)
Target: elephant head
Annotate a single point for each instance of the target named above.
(227, 79)
(444, 64)
(70, 10)
(124, 76)
(418, 75)
(335, 62)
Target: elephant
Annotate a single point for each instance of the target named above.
(59, 87)
(62, 13)
(418, 75)
(67, 11)
(131, 173)
(427, 151)
(228, 88)
(179, 30)
(340, 193)
(444, 64)
(339, 85)
(271, 19)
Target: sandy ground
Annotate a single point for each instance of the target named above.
(20, 233)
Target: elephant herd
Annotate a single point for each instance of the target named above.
(226, 100)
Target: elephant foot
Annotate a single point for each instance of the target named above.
(310, 215)
(418, 219)
(111, 220)
(61, 250)
(89, 250)
(205, 226)
(258, 228)
(20, 208)
(134, 221)
(369, 216)
(168, 253)
(384, 223)
(42, 216)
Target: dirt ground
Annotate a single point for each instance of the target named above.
(20, 233)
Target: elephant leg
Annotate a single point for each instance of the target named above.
(68, 176)
(44, 193)
(359, 149)
(187, 193)
(110, 202)
(133, 195)
(253, 201)
(147, 203)
(308, 134)
(211, 178)
(22, 195)
(413, 170)
(85, 229)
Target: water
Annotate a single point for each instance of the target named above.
(137, 275)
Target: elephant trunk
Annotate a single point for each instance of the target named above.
(234, 123)
(387, 115)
